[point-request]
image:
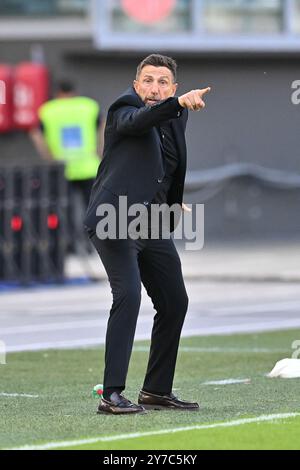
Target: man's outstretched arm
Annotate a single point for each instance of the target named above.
(132, 121)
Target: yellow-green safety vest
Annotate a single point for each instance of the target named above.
(70, 130)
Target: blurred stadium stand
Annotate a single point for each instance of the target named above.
(246, 50)
(33, 205)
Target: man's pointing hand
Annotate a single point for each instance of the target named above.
(193, 100)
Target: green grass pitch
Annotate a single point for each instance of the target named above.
(66, 411)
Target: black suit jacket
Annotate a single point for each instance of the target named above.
(132, 161)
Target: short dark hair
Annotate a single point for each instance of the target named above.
(158, 60)
(65, 86)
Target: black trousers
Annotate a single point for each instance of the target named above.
(156, 264)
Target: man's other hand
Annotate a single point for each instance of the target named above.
(185, 208)
(193, 100)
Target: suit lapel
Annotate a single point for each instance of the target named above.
(178, 127)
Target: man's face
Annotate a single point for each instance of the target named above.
(155, 84)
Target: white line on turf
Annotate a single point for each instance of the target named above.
(65, 344)
(204, 331)
(120, 437)
(227, 382)
(257, 326)
(218, 349)
(99, 342)
(26, 395)
(72, 325)
(293, 305)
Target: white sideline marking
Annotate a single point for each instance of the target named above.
(227, 382)
(99, 342)
(218, 350)
(292, 305)
(72, 325)
(62, 309)
(240, 328)
(239, 422)
(26, 395)
(65, 344)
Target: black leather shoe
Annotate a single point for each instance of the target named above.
(118, 405)
(150, 401)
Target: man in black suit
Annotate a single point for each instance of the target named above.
(145, 160)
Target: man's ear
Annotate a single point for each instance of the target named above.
(134, 84)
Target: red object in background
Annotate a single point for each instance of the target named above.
(52, 221)
(31, 90)
(6, 98)
(148, 11)
(16, 223)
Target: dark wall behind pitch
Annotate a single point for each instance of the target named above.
(249, 118)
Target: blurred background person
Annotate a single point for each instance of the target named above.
(71, 130)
